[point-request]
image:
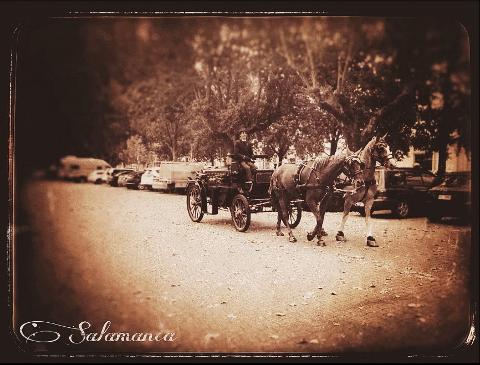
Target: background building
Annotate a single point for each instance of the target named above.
(458, 160)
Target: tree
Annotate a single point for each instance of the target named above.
(345, 66)
(155, 100)
(443, 114)
(239, 82)
(279, 136)
(135, 151)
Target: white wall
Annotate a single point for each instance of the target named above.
(458, 162)
(455, 162)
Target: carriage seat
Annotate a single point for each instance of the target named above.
(233, 163)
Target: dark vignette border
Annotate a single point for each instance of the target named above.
(14, 14)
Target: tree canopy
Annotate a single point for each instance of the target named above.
(168, 88)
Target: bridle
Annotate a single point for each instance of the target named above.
(348, 163)
(349, 176)
(375, 157)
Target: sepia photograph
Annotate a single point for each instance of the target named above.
(242, 185)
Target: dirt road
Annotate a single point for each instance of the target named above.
(96, 253)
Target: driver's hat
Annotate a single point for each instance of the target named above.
(241, 130)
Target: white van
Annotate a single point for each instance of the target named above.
(174, 175)
(78, 168)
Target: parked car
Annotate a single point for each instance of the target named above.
(96, 176)
(123, 178)
(104, 176)
(132, 181)
(452, 198)
(401, 190)
(78, 168)
(108, 175)
(114, 174)
(146, 180)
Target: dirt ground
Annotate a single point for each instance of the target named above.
(95, 253)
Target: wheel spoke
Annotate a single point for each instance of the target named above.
(195, 211)
(240, 211)
(240, 216)
(292, 215)
(195, 204)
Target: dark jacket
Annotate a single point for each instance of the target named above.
(243, 149)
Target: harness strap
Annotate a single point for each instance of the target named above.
(300, 169)
(327, 190)
(296, 177)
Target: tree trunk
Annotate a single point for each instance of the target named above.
(280, 159)
(402, 100)
(352, 137)
(333, 144)
(442, 162)
(444, 131)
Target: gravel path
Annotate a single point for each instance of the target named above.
(96, 253)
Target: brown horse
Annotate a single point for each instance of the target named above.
(375, 151)
(314, 183)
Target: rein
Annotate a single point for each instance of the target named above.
(349, 192)
(366, 186)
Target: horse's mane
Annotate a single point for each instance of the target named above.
(328, 167)
(329, 160)
(366, 153)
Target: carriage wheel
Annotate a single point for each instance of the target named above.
(240, 210)
(294, 215)
(194, 203)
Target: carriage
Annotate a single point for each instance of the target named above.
(215, 189)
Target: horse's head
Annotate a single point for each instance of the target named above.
(353, 168)
(381, 152)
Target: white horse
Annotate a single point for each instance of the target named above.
(375, 151)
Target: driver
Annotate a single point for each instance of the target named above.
(243, 149)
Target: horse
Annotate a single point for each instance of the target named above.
(375, 151)
(313, 179)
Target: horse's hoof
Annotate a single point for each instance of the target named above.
(292, 239)
(340, 237)
(371, 242)
(321, 243)
(310, 236)
(280, 233)
(323, 233)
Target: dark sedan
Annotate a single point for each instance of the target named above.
(452, 198)
(132, 181)
(401, 190)
(115, 174)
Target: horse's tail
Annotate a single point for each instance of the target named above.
(272, 188)
(273, 183)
